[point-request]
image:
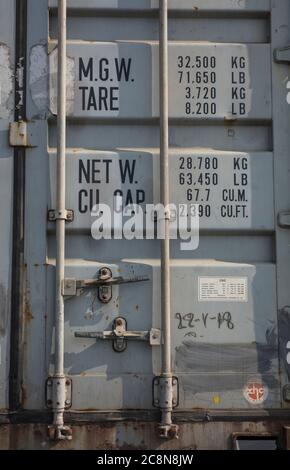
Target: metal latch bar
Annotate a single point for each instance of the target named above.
(114, 281)
(103, 283)
(119, 335)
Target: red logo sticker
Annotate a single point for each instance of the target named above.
(255, 393)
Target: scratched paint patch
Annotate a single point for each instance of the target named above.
(38, 77)
(6, 82)
(255, 393)
(70, 80)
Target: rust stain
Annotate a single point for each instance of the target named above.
(130, 436)
(27, 313)
(28, 317)
(229, 121)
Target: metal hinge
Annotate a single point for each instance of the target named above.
(166, 398)
(20, 134)
(119, 335)
(103, 283)
(282, 54)
(51, 389)
(67, 215)
(160, 386)
(284, 219)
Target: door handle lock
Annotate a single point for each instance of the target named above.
(104, 283)
(119, 335)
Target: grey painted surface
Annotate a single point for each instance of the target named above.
(102, 27)
(7, 32)
(35, 248)
(240, 201)
(206, 81)
(186, 5)
(281, 122)
(214, 362)
(218, 346)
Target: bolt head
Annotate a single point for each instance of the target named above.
(105, 272)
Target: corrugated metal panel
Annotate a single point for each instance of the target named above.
(131, 71)
(235, 204)
(224, 301)
(7, 32)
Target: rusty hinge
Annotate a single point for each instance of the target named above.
(20, 134)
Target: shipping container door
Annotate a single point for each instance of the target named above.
(229, 158)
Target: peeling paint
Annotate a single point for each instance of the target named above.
(20, 83)
(38, 80)
(132, 435)
(43, 79)
(6, 82)
(70, 87)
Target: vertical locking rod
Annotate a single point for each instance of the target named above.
(60, 431)
(166, 426)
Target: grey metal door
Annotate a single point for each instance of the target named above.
(229, 153)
